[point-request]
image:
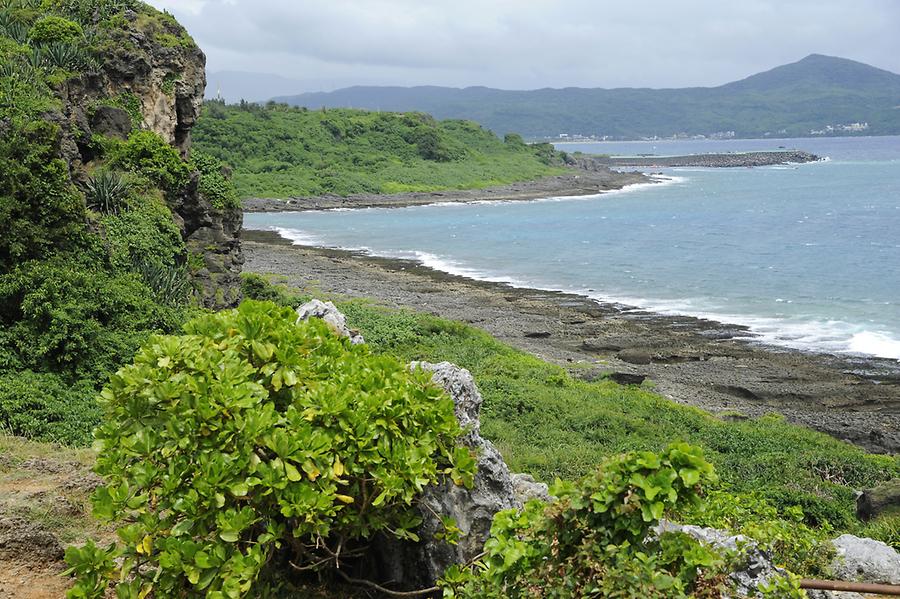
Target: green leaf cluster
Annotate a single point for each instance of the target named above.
(252, 441)
(215, 185)
(596, 540)
(147, 154)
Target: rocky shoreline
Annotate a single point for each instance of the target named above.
(596, 179)
(692, 361)
(728, 160)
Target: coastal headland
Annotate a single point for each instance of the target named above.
(707, 364)
(593, 174)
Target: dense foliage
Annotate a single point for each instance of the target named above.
(253, 442)
(597, 539)
(788, 101)
(277, 151)
(92, 260)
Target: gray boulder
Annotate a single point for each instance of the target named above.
(417, 565)
(756, 565)
(865, 560)
(472, 509)
(861, 560)
(331, 315)
(526, 489)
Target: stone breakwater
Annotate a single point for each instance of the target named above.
(728, 160)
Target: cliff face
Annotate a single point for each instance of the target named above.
(153, 77)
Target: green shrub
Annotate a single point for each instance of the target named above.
(40, 210)
(89, 11)
(75, 319)
(50, 29)
(145, 153)
(258, 287)
(170, 285)
(44, 407)
(596, 540)
(252, 441)
(145, 233)
(215, 186)
(793, 544)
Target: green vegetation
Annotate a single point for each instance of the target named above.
(278, 151)
(251, 442)
(885, 529)
(787, 101)
(92, 261)
(51, 29)
(596, 540)
(551, 424)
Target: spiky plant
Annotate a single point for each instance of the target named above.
(70, 57)
(108, 192)
(12, 27)
(170, 284)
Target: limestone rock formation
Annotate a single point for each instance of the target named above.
(472, 509)
(148, 84)
(526, 488)
(417, 565)
(331, 315)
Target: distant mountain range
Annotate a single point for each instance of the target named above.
(819, 95)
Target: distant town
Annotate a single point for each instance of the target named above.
(826, 130)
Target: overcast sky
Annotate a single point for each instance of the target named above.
(526, 44)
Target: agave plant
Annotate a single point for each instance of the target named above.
(170, 284)
(70, 57)
(12, 28)
(108, 192)
(17, 69)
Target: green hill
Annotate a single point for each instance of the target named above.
(790, 100)
(279, 151)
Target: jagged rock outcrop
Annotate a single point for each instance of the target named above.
(415, 565)
(152, 76)
(331, 315)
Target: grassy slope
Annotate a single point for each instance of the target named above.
(550, 424)
(277, 151)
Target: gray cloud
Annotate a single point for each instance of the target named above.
(534, 43)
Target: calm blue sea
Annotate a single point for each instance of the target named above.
(807, 256)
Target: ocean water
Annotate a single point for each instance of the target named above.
(807, 256)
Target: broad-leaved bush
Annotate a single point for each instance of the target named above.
(597, 539)
(253, 444)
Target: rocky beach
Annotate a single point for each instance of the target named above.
(692, 361)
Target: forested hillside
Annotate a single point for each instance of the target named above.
(278, 151)
(790, 100)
